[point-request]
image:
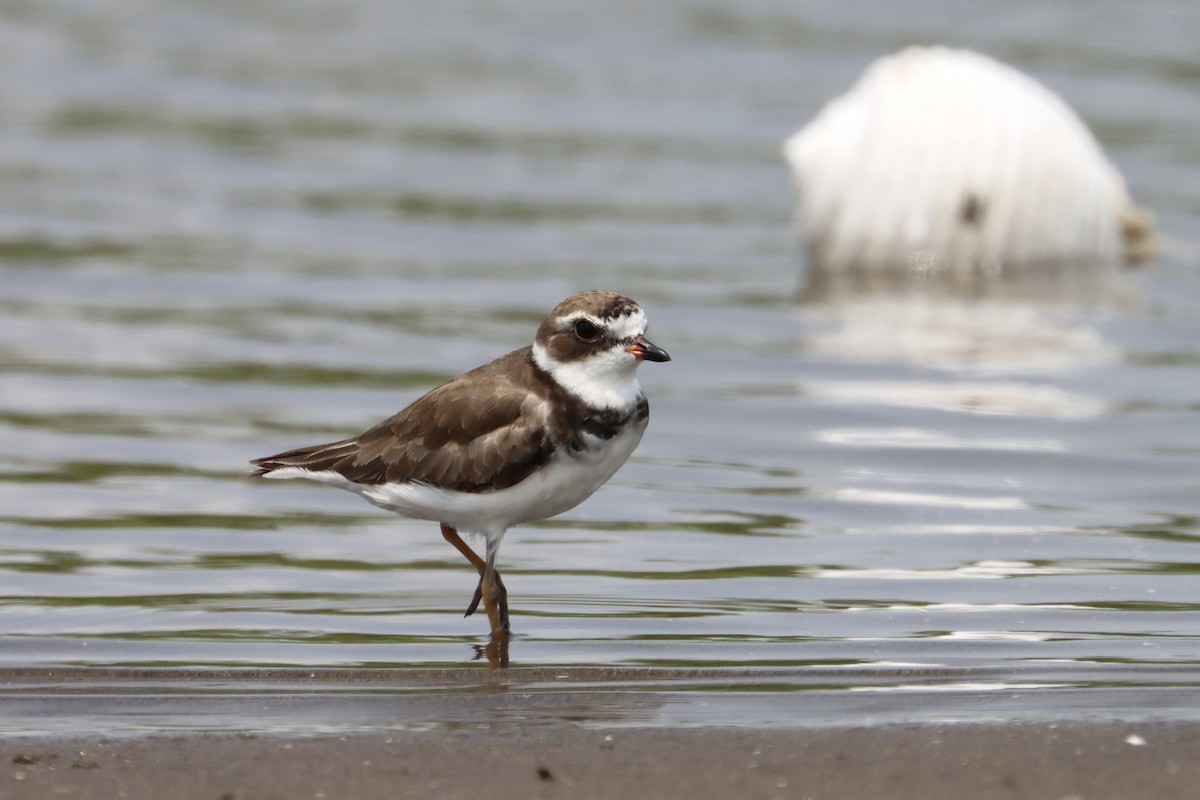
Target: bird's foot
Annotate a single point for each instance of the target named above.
(501, 597)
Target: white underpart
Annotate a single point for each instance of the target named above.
(561, 484)
(607, 379)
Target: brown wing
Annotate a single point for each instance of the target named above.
(480, 432)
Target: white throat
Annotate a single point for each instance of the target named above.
(605, 380)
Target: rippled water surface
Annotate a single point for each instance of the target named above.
(230, 228)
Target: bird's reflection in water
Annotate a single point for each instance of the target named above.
(495, 651)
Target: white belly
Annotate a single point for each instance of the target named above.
(561, 484)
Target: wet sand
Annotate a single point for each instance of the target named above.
(928, 761)
(517, 734)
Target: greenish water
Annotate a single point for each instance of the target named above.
(229, 229)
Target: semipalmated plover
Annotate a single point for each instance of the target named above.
(522, 438)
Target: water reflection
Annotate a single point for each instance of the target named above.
(984, 337)
(315, 700)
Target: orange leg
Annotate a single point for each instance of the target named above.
(451, 536)
(495, 601)
(490, 589)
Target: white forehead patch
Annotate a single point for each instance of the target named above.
(626, 326)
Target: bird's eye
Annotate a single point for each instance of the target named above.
(586, 330)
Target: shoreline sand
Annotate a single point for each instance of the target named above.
(1013, 762)
(256, 734)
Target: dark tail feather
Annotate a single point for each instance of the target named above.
(315, 458)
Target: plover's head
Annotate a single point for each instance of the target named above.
(592, 343)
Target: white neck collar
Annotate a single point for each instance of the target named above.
(605, 380)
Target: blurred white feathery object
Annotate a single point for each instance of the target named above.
(946, 169)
